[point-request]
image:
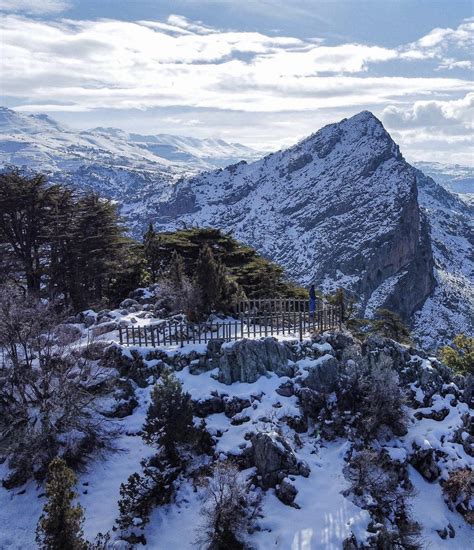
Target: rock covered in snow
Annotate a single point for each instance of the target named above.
(274, 458)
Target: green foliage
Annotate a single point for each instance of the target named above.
(60, 525)
(65, 246)
(460, 356)
(153, 486)
(255, 275)
(169, 420)
(218, 291)
(389, 325)
(151, 247)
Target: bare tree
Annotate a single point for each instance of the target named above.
(228, 510)
(46, 398)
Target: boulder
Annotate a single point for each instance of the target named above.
(286, 492)
(103, 328)
(235, 406)
(128, 302)
(247, 360)
(322, 374)
(274, 459)
(423, 460)
(67, 333)
(211, 405)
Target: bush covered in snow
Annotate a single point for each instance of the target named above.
(48, 391)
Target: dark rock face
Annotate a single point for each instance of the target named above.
(343, 212)
(424, 461)
(247, 360)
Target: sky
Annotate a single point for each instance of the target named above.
(260, 72)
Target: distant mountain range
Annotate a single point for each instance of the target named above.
(340, 208)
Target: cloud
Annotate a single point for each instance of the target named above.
(104, 63)
(452, 48)
(35, 7)
(224, 81)
(439, 114)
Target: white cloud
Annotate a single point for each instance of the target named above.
(73, 66)
(452, 48)
(34, 6)
(456, 112)
(123, 65)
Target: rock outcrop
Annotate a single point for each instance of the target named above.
(274, 459)
(247, 360)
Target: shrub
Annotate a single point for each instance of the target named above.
(389, 325)
(225, 510)
(143, 491)
(47, 406)
(169, 421)
(460, 356)
(374, 398)
(60, 525)
(459, 491)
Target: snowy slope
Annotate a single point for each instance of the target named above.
(339, 208)
(455, 178)
(325, 514)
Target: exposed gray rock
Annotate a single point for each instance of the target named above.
(103, 328)
(247, 360)
(424, 462)
(275, 459)
(67, 333)
(128, 302)
(286, 492)
(322, 374)
(235, 405)
(211, 405)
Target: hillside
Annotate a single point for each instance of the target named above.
(335, 444)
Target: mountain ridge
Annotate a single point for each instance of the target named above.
(342, 207)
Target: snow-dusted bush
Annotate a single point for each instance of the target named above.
(228, 510)
(374, 398)
(459, 492)
(383, 487)
(142, 492)
(47, 394)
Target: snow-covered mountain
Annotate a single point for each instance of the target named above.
(340, 208)
(40, 143)
(344, 208)
(454, 177)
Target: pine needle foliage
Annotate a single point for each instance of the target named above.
(169, 420)
(389, 325)
(60, 525)
(255, 275)
(460, 355)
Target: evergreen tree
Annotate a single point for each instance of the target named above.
(151, 245)
(217, 290)
(176, 272)
(25, 214)
(460, 355)
(60, 525)
(389, 325)
(169, 420)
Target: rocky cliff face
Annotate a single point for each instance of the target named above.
(338, 209)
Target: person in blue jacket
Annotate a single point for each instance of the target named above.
(312, 301)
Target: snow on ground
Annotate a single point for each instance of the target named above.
(429, 509)
(325, 517)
